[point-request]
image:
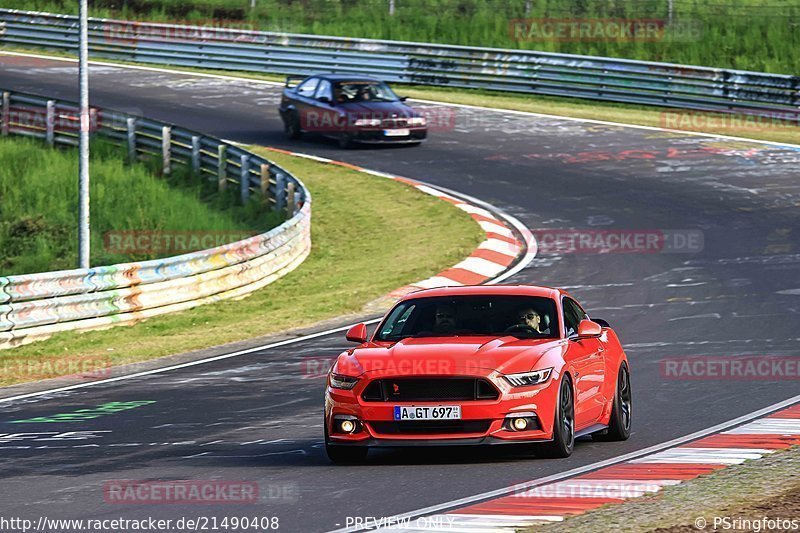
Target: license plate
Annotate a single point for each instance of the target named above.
(438, 412)
(397, 133)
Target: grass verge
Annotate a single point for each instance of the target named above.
(670, 118)
(39, 195)
(764, 487)
(745, 34)
(370, 236)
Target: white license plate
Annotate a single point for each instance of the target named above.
(438, 412)
(404, 132)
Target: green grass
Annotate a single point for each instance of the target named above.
(761, 35)
(39, 196)
(370, 236)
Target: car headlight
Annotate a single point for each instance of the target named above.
(417, 121)
(525, 379)
(367, 122)
(338, 381)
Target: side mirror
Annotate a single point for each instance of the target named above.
(403, 98)
(324, 100)
(587, 328)
(357, 333)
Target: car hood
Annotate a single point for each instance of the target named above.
(379, 109)
(447, 356)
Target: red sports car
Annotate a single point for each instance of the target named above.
(479, 365)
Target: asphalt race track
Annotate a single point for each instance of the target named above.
(257, 417)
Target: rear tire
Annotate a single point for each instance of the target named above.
(563, 425)
(291, 126)
(619, 427)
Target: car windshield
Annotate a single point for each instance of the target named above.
(363, 91)
(496, 316)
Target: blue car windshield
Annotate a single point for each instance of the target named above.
(363, 91)
(519, 316)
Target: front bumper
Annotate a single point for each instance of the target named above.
(377, 136)
(377, 427)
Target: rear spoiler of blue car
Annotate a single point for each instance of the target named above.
(294, 81)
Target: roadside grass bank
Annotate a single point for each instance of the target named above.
(756, 35)
(669, 118)
(764, 487)
(369, 237)
(39, 195)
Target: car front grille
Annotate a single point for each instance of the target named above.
(390, 123)
(429, 390)
(421, 427)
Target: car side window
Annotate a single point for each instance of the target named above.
(324, 89)
(308, 87)
(573, 314)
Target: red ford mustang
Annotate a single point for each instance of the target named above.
(479, 365)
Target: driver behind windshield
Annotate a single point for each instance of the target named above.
(528, 318)
(445, 319)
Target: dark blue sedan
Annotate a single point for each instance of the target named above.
(350, 109)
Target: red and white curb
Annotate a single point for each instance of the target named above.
(616, 483)
(493, 257)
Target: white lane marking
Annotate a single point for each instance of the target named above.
(769, 426)
(435, 102)
(721, 456)
(484, 267)
(463, 502)
(475, 210)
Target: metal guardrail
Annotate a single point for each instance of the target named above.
(598, 78)
(35, 306)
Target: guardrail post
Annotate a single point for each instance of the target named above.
(131, 128)
(244, 179)
(290, 199)
(5, 117)
(280, 191)
(265, 184)
(93, 124)
(222, 167)
(195, 154)
(166, 149)
(50, 122)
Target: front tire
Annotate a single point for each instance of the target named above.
(563, 425)
(619, 427)
(291, 126)
(344, 454)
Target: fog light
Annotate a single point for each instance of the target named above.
(519, 424)
(347, 426)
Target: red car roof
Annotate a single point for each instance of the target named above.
(488, 290)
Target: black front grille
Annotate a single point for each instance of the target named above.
(429, 390)
(395, 123)
(421, 427)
